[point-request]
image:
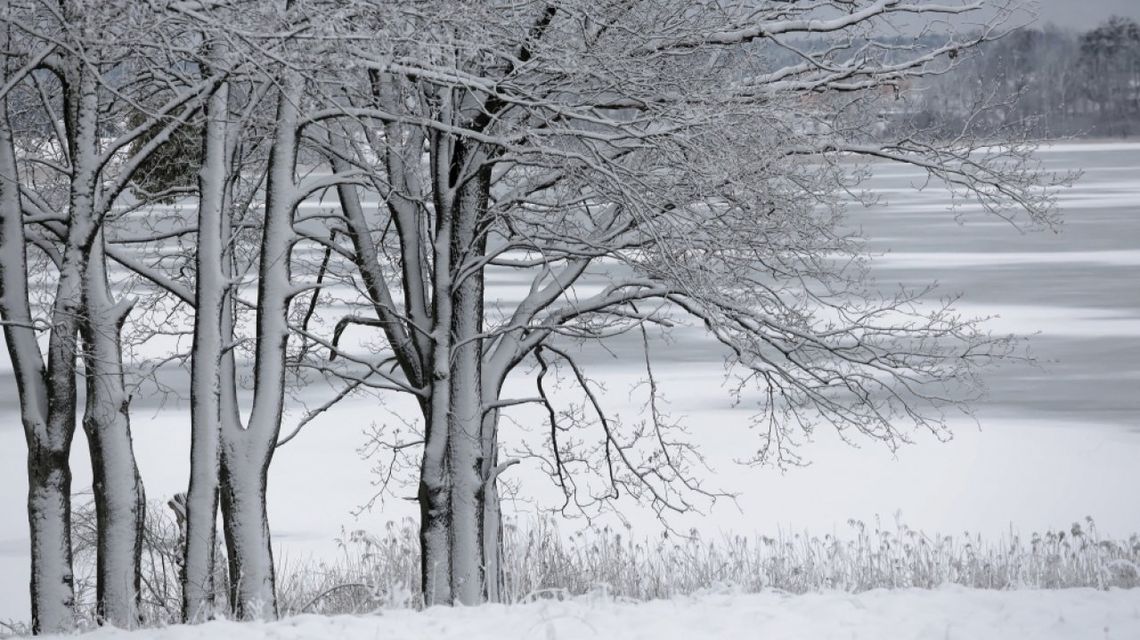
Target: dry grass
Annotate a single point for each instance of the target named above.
(375, 571)
(381, 571)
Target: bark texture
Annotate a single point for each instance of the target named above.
(49, 477)
(206, 370)
(120, 501)
(246, 453)
(248, 546)
(468, 564)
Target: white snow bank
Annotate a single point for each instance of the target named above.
(948, 259)
(945, 614)
(1089, 146)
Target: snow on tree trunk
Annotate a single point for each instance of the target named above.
(465, 448)
(46, 429)
(465, 464)
(246, 453)
(49, 475)
(248, 543)
(435, 569)
(206, 369)
(120, 502)
(434, 566)
(492, 526)
(49, 518)
(492, 378)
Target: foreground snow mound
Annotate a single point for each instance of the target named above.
(911, 614)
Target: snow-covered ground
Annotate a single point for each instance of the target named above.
(1055, 443)
(945, 614)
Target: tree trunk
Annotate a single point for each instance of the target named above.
(435, 569)
(466, 461)
(49, 518)
(248, 543)
(49, 474)
(206, 367)
(493, 376)
(435, 520)
(120, 503)
(49, 485)
(246, 453)
(49, 421)
(465, 448)
(492, 528)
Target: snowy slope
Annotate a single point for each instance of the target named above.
(945, 614)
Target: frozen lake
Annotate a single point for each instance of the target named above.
(1056, 442)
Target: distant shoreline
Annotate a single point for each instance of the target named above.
(1089, 144)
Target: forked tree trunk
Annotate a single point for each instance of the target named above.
(248, 543)
(120, 502)
(246, 453)
(82, 275)
(425, 360)
(48, 401)
(49, 474)
(49, 477)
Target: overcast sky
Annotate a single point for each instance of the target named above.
(1082, 14)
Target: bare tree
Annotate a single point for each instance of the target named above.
(247, 184)
(691, 153)
(637, 164)
(73, 175)
(49, 477)
(211, 360)
(228, 456)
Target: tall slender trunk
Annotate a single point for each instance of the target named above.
(206, 367)
(435, 520)
(492, 529)
(120, 502)
(493, 376)
(465, 448)
(433, 488)
(465, 463)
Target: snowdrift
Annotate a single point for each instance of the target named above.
(951, 613)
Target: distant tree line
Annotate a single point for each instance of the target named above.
(1051, 81)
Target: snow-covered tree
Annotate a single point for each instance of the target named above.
(77, 72)
(690, 156)
(249, 179)
(638, 164)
